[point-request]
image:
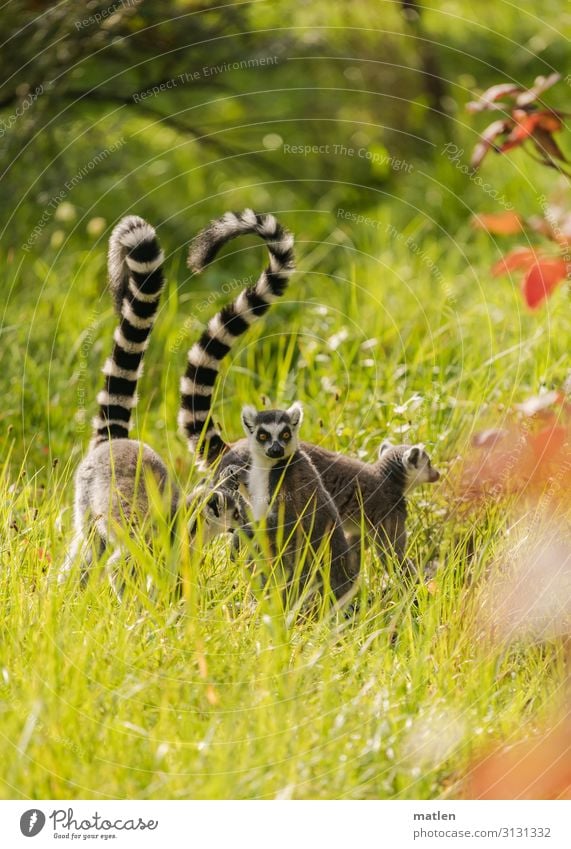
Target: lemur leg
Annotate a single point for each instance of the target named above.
(391, 540)
(113, 574)
(345, 564)
(243, 540)
(82, 547)
(238, 536)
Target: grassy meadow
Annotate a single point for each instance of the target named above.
(392, 327)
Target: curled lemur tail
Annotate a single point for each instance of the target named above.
(136, 281)
(222, 332)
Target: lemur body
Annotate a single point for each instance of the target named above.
(111, 482)
(375, 494)
(377, 491)
(369, 495)
(285, 489)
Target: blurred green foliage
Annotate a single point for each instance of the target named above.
(189, 107)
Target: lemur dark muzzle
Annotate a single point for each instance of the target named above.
(275, 450)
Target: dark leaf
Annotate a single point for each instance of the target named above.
(546, 145)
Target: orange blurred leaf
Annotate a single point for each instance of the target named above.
(548, 443)
(542, 278)
(503, 223)
(533, 769)
(211, 695)
(528, 123)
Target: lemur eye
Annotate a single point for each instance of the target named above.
(262, 436)
(214, 506)
(286, 435)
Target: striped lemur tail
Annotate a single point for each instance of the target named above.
(223, 331)
(136, 281)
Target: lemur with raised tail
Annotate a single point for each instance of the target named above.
(111, 481)
(301, 502)
(377, 492)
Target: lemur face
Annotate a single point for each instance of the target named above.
(416, 462)
(222, 511)
(272, 434)
(418, 467)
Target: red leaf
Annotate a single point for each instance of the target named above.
(542, 278)
(503, 223)
(44, 555)
(514, 261)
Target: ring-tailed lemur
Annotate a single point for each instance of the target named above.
(373, 495)
(285, 489)
(377, 490)
(111, 483)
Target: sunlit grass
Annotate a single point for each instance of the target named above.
(219, 694)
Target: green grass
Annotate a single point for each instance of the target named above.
(220, 695)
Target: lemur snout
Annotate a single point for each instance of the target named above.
(434, 476)
(275, 450)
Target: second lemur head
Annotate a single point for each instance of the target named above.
(272, 434)
(412, 459)
(221, 507)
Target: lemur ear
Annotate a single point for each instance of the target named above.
(295, 413)
(249, 418)
(411, 456)
(385, 445)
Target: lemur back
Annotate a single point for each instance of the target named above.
(375, 492)
(111, 483)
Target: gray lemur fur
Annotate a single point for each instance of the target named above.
(111, 482)
(284, 489)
